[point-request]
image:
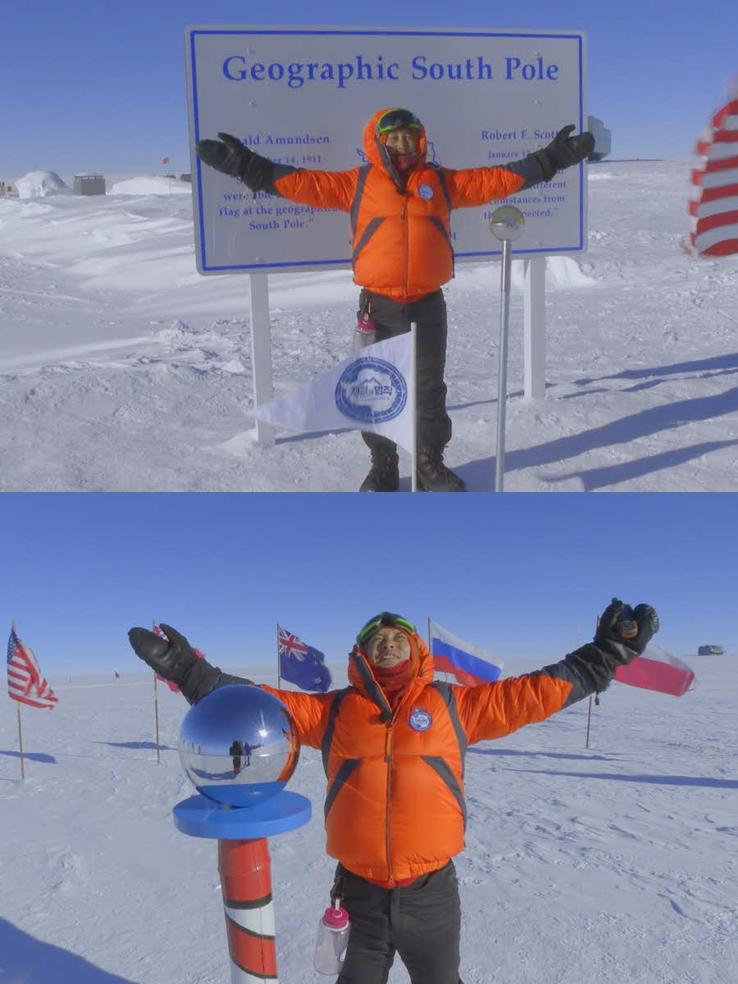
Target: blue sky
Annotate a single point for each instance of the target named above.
(524, 575)
(88, 85)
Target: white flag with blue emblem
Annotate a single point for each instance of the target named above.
(371, 391)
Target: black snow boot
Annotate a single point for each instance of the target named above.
(434, 476)
(384, 475)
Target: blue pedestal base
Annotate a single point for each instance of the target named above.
(199, 816)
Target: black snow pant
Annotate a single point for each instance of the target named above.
(394, 318)
(422, 923)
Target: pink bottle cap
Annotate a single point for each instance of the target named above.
(335, 917)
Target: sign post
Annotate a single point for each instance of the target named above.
(261, 351)
(507, 224)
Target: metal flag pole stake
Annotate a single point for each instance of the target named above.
(20, 740)
(156, 707)
(507, 224)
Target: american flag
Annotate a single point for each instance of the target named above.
(714, 207)
(25, 681)
(165, 160)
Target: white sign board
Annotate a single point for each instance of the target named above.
(302, 96)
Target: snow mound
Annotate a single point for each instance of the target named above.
(151, 185)
(39, 184)
(599, 175)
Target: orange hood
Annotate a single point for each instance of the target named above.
(361, 676)
(375, 150)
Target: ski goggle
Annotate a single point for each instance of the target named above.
(384, 618)
(394, 119)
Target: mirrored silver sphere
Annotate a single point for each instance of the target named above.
(238, 745)
(507, 223)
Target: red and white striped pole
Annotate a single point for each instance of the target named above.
(241, 808)
(246, 882)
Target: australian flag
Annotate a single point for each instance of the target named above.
(301, 664)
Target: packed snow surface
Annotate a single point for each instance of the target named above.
(613, 864)
(156, 184)
(122, 368)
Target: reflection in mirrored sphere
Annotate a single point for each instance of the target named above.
(238, 745)
(507, 222)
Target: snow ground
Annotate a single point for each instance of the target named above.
(121, 368)
(609, 865)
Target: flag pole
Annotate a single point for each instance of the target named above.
(156, 717)
(156, 710)
(279, 668)
(430, 645)
(20, 739)
(589, 709)
(20, 730)
(414, 411)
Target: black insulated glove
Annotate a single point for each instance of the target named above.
(229, 156)
(172, 658)
(564, 151)
(628, 627)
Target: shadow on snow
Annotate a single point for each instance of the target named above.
(31, 756)
(703, 781)
(24, 958)
(719, 365)
(150, 745)
(554, 755)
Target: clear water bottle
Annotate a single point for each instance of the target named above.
(365, 334)
(333, 935)
(366, 328)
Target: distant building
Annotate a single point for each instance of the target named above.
(186, 177)
(89, 184)
(710, 651)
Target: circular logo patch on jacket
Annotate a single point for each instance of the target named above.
(425, 190)
(420, 719)
(371, 390)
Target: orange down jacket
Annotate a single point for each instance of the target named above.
(401, 236)
(394, 806)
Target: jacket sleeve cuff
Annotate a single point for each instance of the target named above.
(534, 168)
(261, 173)
(203, 677)
(590, 668)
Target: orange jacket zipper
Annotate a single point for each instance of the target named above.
(388, 760)
(406, 242)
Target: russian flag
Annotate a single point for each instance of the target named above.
(468, 663)
(657, 670)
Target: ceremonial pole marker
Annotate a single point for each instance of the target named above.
(238, 746)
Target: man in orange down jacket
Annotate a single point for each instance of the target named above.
(400, 207)
(393, 745)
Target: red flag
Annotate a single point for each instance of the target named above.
(714, 207)
(172, 686)
(26, 683)
(657, 670)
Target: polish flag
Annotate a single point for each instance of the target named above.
(714, 205)
(657, 670)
